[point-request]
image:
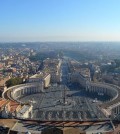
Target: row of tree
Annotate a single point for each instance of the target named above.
(43, 55)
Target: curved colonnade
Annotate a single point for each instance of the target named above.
(30, 88)
(113, 105)
(102, 88)
(15, 92)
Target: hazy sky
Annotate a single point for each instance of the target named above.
(59, 20)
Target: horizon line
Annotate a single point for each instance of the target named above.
(56, 41)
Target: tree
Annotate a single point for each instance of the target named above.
(14, 81)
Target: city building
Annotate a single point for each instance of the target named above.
(52, 66)
(41, 77)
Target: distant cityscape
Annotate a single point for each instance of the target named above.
(47, 87)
